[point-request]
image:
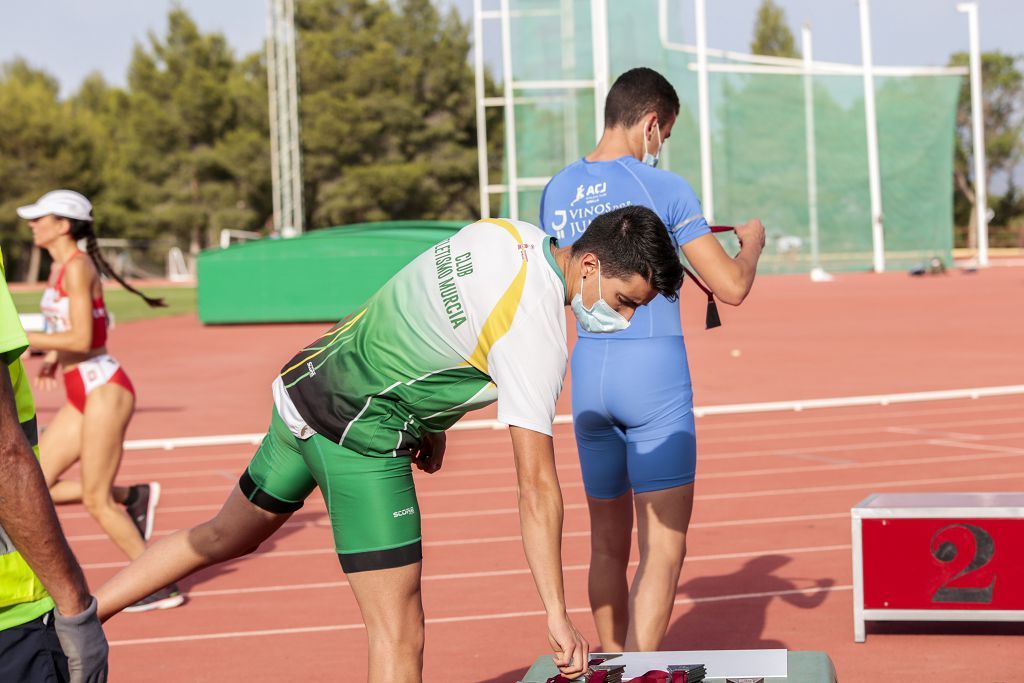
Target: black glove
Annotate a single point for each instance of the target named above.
(81, 637)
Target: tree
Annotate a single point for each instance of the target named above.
(387, 109)
(388, 128)
(772, 36)
(193, 143)
(1003, 112)
(44, 144)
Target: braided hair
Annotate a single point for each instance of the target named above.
(82, 229)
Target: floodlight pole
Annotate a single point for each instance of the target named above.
(512, 179)
(977, 132)
(599, 32)
(570, 122)
(704, 114)
(481, 108)
(812, 152)
(871, 121)
(283, 95)
(295, 146)
(275, 162)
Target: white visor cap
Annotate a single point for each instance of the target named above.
(63, 203)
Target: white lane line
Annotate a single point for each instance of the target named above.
(785, 452)
(709, 457)
(889, 413)
(932, 433)
(845, 515)
(699, 411)
(851, 401)
(161, 459)
(705, 441)
(766, 594)
(830, 465)
(812, 450)
(981, 447)
(991, 454)
(324, 523)
(467, 442)
(164, 640)
(865, 486)
(224, 489)
(274, 554)
(831, 433)
(869, 486)
(798, 453)
(571, 466)
(519, 571)
(171, 443)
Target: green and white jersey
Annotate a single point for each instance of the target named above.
(477, 318)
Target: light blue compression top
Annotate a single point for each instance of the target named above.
(586, 189)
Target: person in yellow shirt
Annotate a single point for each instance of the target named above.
(38, 572)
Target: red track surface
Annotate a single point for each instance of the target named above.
(769, 557)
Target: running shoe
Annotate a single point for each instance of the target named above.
(143, 508)
(165, 598)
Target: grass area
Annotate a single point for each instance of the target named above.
(124, 305)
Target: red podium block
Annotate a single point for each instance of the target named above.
(938, 557)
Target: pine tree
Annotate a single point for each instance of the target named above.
(387, 110)
(1002, 95)
(772, 36)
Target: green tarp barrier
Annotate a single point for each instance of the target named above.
(321, 276)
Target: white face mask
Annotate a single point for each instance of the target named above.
(652, 159)
(600, 317)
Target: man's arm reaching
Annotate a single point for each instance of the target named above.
(540, 518)
(729, 278)
(29, 520)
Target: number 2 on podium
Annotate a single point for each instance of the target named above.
(947, 551)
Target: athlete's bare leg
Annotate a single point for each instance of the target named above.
(392, 609)
(237, 530)
(662, 520)
(611, 535)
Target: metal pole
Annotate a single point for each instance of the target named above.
(481, 109)
(512, 182)
(275, 175)
(295, 145)
(663, 34)
(283, 121)
(977, 132)
(706, 178)
(570, 122)
(871, 123)
(817, 273)
(599, 32)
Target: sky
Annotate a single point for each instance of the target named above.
(72, 38)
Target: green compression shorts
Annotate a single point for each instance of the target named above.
(371, 501)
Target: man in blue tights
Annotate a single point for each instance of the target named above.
(632, 396)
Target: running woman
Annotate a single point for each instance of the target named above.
(632, 400)
(477, 318)
(90, 428)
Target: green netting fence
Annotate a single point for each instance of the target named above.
(758, 133)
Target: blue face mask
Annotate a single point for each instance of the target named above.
(600, 317)
(652, 159)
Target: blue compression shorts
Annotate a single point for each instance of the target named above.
(632, 406)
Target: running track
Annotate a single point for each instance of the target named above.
(769, 558)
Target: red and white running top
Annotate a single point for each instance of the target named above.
(55, 307)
